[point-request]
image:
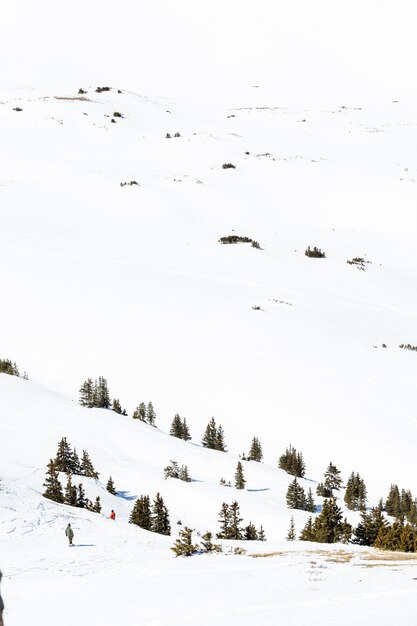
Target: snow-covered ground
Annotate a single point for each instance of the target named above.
(315, 105)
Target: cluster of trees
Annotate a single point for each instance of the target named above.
(179, 428)
(174, 471)
(8, 367)
(73, 495)
(95, 394)
(401, 505)
(329, 526)
(315, 253)
(231, 525)
(68, 461)
(154, 518)
(292, 462)
(185, 546)
(214, 436)
(255, 452)
(297, 498)
(145, 413)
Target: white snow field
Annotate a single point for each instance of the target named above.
(315, 105)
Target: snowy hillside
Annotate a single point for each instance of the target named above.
(314, 106)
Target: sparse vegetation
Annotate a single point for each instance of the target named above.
(228, 166)
(408, 346)
(9, 367)
(230, 239)
(315, 253)
(129, 183)
(101, 89)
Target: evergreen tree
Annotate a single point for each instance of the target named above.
(53, 488)
(323, 491)
(176, 427)
(207, 544)
(397, 537)
(101, 394)
(70, 496)
(150, 415)
(329, 527)
(210, 436)
(110, 486)
(140, 412)
(296, 498)
(185, 431)
(87, 394)
(393, 502)
(369, 527)
(239, 478)
(81, 499)
(292, 462)
(184, 546)
(97, 505)
(75, 463)
(220, 444)
(255, 452)
(172, 470)
(250, 533)
(184, 474)
(64, 459)
(291, 531)
(116, 406)
(332, 479)
(310, 504)
(224, 521)
(307, 534)
(355, 494)
(261, 534)
(160, 518)
(86, 467)
(406, 502)
(141, 513)
(235, 530)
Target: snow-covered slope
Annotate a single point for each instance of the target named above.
(317, 113)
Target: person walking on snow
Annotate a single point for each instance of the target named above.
(112, 515)
(69, 533)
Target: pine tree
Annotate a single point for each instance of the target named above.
(97, 505)
(141, 513)
(255, 452)
(53, 486)
(160, 518)
(307, 534)
(75, 463)
(296, 498)
(261, 534)
(176, 427)
(184, 546)
(332, 479)
(150, 415)
(64, 457)
(70, 496)
(224, 521)
(310, 504)
(292, 462)
(393, 502)
(220, 444)
(116, 406)
(369, 527)
(81, 499)
(207, 544)
(86, 467)
(185, 431)
(323, 491)
(172, 470)
(355, 494)
(329, 527)
(239, 478)
(110, 486)
(210, 436)
(101, 394)
(184, 474)
(406, 502)
(250, 533)
(235, 529)
(87, 394)
(291, 531)
(140, 412)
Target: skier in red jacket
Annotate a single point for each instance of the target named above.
(112, 515)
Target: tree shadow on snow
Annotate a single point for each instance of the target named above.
(125, 496)
(83, 545)
(263, 489)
